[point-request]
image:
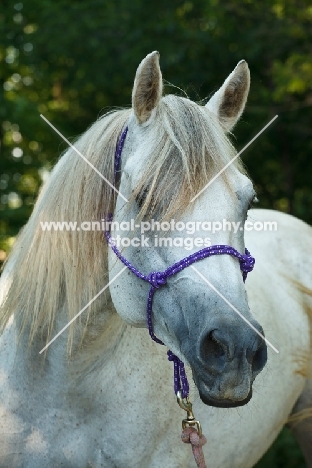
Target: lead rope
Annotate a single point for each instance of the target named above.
(191, 436)
(191, 428)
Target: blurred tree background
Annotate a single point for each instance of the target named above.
(72, 61)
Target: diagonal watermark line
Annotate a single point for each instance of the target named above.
(235, 310)
(83, 309)
(83, 157)
(232, 160)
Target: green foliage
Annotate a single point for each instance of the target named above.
(73, 60)
(284, 453)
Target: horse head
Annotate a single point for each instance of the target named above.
(172, 173)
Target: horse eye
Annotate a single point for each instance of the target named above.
(140, 198)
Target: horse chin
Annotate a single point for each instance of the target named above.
(223, 403)
(208, 397)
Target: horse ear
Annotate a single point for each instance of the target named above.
(147, 88)
(229, 101)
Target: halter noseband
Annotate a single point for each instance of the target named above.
(157, 279)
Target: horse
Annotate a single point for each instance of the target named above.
(82, 383)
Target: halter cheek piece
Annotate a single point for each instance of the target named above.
(157, 279)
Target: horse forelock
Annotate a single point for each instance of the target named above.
(188, 147)
(55, 270)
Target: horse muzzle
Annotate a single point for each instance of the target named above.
(226, 363)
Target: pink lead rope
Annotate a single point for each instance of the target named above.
(191, 436)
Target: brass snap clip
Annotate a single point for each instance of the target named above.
(190, 420)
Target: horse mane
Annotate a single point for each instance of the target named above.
(63, 270)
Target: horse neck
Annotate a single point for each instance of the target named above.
(95, 353)
(100, 343)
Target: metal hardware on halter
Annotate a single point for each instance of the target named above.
(190, 420)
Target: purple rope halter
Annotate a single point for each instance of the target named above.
(157, 279)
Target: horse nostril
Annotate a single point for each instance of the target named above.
(259, 358)
(212, 347)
